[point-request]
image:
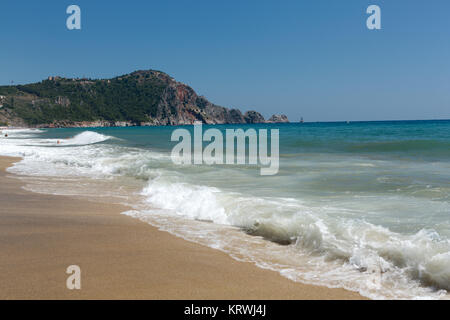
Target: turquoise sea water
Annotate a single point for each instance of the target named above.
(361, 205)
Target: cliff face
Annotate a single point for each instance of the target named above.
(140, 98)
(180, 104)
(253, 117)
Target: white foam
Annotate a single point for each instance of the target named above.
(331, 245)
(366, 258)
(85, 138)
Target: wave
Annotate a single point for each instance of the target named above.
(421, 258)
(21, 133)
(322, 243)
(85, 138)
(429, 146)
(402, 146)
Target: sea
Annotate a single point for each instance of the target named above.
(363, 206)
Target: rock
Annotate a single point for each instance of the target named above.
(254, 117)
(62, 101)
(278, 118)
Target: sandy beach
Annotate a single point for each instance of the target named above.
(120, 257)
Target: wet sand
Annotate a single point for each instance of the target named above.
(120, 257)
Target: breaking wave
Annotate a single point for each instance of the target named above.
(351, 241)
(85, 138)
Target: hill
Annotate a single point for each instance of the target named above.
(140, 98)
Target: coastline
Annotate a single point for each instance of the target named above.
(120, 257)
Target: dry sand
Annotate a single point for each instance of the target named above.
(120, 257)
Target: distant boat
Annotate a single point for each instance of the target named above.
(301, 120)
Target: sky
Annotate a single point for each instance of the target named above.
(314, 59)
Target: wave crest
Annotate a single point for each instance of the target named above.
(85, 138)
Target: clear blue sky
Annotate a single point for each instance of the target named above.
(311, 58)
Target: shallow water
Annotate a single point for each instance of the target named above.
(364, 206)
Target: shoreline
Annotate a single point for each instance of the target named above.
(79, 125)
(120, 257)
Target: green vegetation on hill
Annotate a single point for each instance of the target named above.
(145, 97)
(133, 98)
